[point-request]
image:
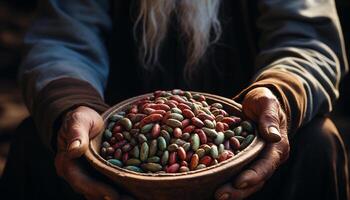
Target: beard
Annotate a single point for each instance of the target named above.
(198, 23)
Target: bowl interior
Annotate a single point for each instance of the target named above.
(230, 106)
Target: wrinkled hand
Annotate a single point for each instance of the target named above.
(261, 106)
(78, 127)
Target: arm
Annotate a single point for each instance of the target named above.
(302, 56)
(302, 61)
(67, 62)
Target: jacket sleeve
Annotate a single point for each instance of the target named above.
(67, 62)
(301, 56)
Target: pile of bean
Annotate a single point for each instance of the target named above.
(172, 132)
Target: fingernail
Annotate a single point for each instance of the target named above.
(242, 185)
(225, 196)
(274, 134)
(74, 145)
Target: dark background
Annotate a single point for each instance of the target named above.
(16, 16)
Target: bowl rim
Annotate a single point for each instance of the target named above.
(98, 162)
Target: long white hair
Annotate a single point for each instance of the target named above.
(198, 22)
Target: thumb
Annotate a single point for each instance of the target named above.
(79, 126)
(262, 106)
(269, 123)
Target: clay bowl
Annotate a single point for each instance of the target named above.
(199, 184)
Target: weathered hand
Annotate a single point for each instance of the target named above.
(79, 126)
(261, 106)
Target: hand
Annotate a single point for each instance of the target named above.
(261, 106)
(78, 127)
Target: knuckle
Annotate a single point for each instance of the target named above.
(269, 116)
(75, 127)
(78, 115)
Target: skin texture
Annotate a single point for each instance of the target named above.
(261, 106)
(79, 126)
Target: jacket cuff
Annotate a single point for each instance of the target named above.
(288, 89)
(58, 97)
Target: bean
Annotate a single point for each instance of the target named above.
(126, 123)
(173, 123)
(229, 133)
(186, 146)
(206, 160)
(194, 161)
(181, 153)
(115, 118)
(238, 130)
(200, 152)
(177, 132)
(195, 142)
(144, 151)
(108, 134)
(135, 152)
(235, 143)
(185, 136)
(202, 136)
(189, 129)
(115, 162)
(219, 127)
(134, 168)
(184, 169)
(210, 132)
(141, 138)
(188, 113)
(176, 110)
(153, 159)
(147, 128)
(205, 116)
(118, 154)
(209, 124)
(172, 158)
(165, 158)
(173, 147)
(173, 168)
(246, 141)
(220, 138)
(152, 167)
(127, 148)
(214, 151)
(247, 126)
(153, 148)
(200, 166)
(240, 138)
(197, 122)
(221, 148)
(133, 162)
(176, 116)
(155, 131)
(185, 122)
(162, 143)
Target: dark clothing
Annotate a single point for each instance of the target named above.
(293, 47)
(316, 168)
(81, 52)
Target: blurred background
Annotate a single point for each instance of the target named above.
(15, 18)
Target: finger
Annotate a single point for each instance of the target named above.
(269, 121)
(262, 106)
(78, 127)
(82, 183)
(261, 169)
(227, 192)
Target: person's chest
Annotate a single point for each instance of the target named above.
(225, 69)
